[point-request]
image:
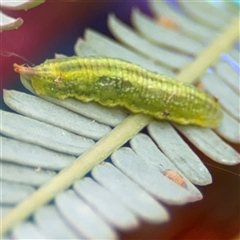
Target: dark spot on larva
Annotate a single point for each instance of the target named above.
(165, 113)
(215, 98)
(126, 84)
(57, 80)
(105, 80)
(106, 83)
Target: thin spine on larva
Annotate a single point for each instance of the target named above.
(114, 82)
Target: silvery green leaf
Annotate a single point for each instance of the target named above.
(206, 14)
(27, 230)
(229, 128)
(9, 23)
(107, 205)
(134, 197)
(14, 193)
(228, 75)
(43, 134)
(210, 144)
(20, 4)
(181, 157)
(152, 180)
(128, 37)
(228, 99)
(164, 37)
(31, 155)
(50, 113)
(25, 175)
(82, 217)
(190, 28)
(105, 46)
(52, 225)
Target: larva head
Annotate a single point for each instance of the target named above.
(44, 78)
(24, 70)
(43, 71)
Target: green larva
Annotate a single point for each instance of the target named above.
(113, 82)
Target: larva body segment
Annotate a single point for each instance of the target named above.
(113, 82)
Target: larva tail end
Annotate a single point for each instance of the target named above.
(23, 70)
